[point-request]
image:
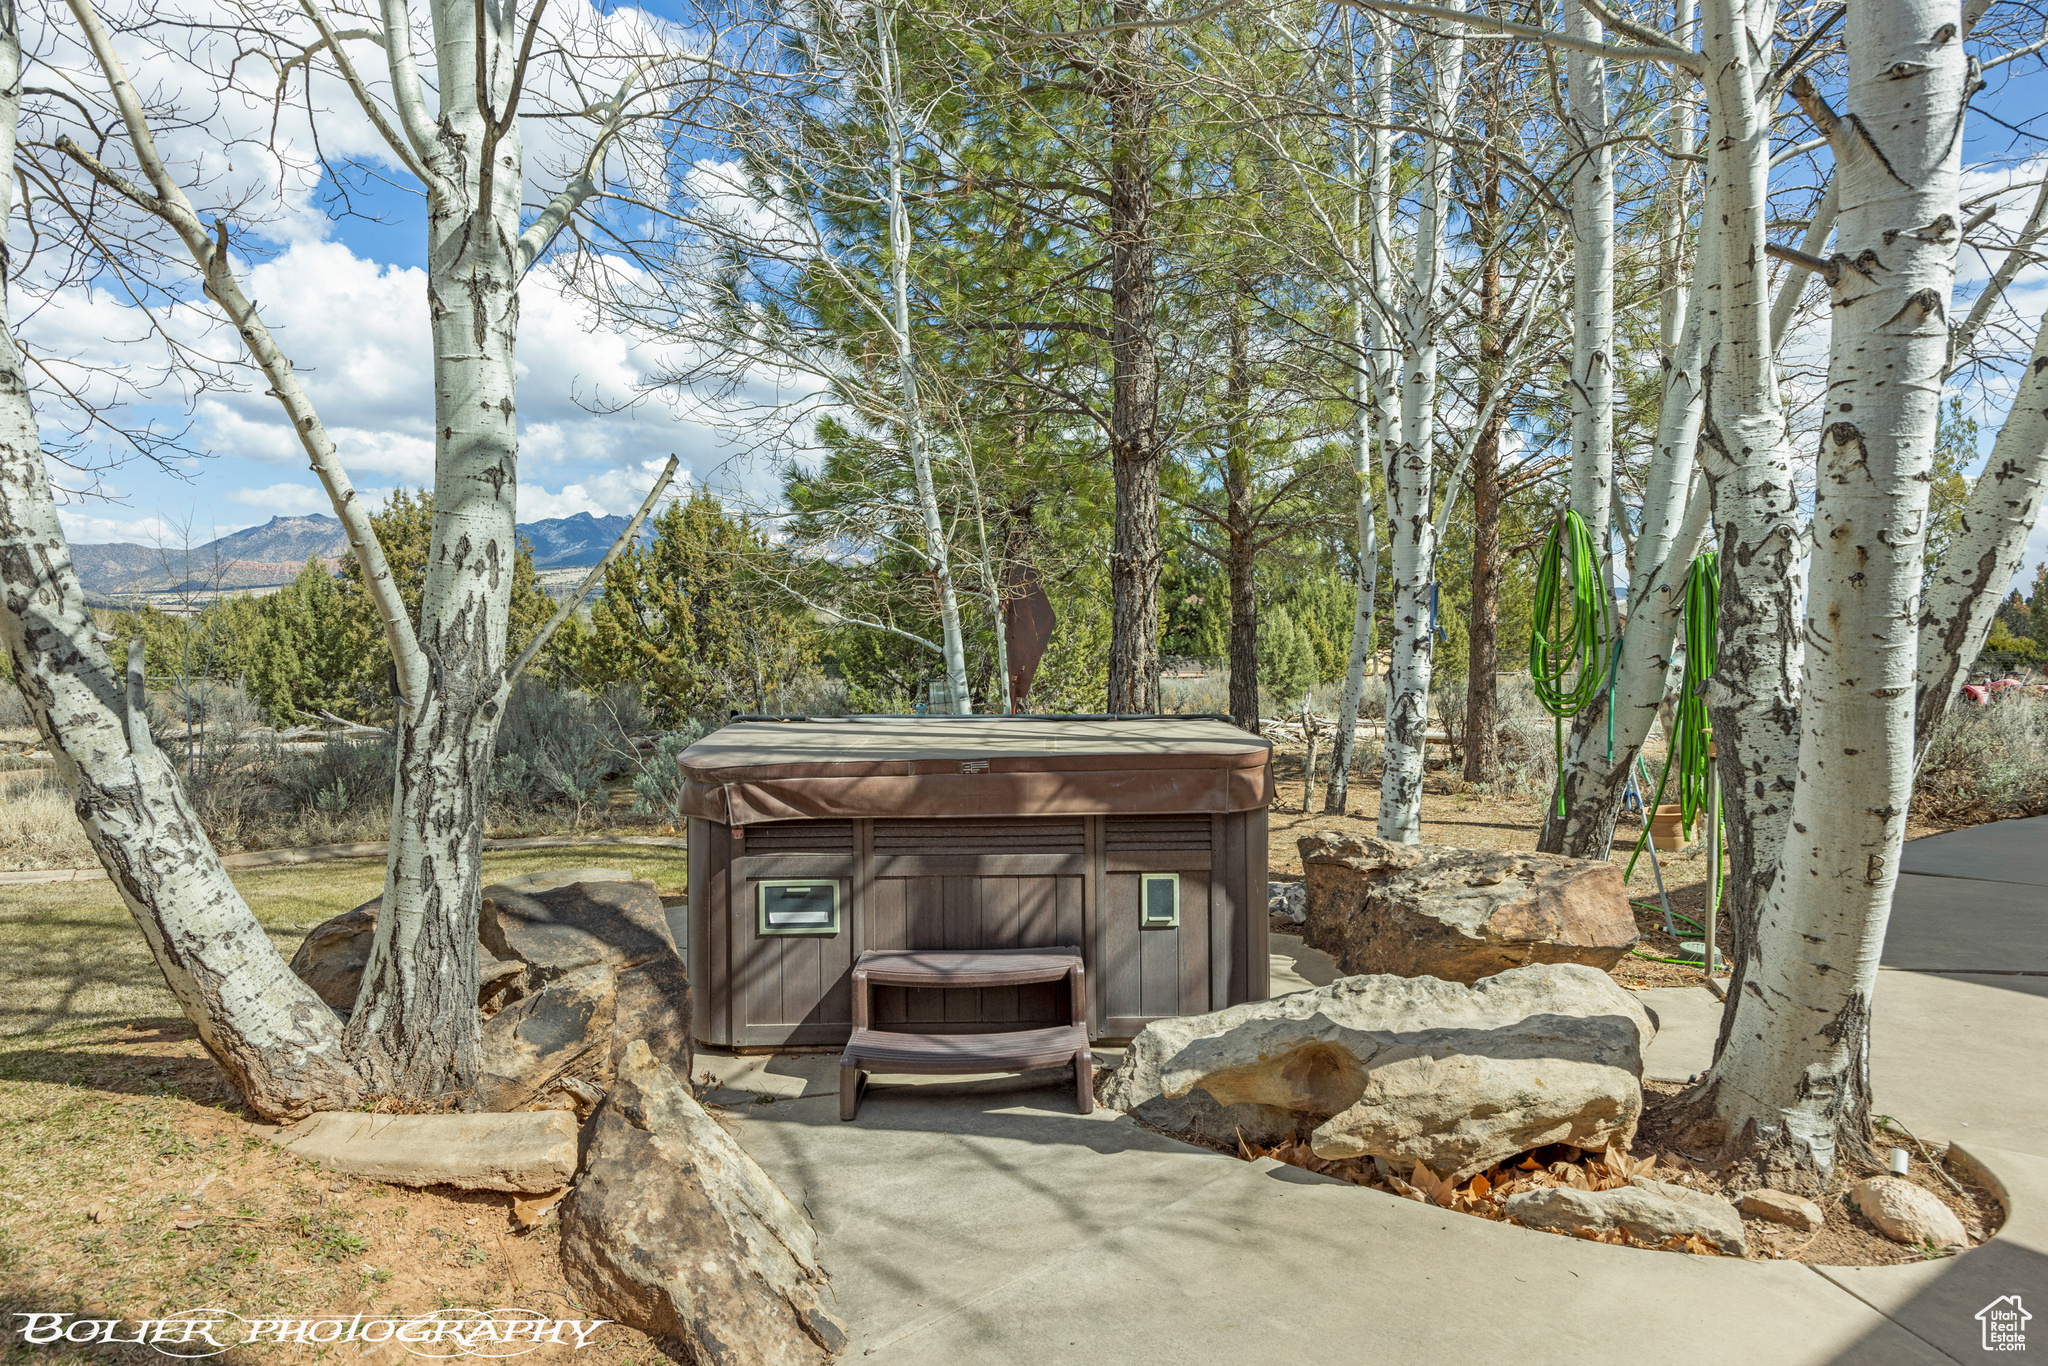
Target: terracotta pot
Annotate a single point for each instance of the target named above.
(1664, 832)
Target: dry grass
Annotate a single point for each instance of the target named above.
(136, 1186)
(37, 827)
(70, 956)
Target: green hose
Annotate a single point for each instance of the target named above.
(1687, 756)
(1695, 730)
(1571, 640)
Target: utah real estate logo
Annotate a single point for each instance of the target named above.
(2005, 1324)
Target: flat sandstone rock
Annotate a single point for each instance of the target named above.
(529, 1152)
(1652, 1212)
(1780, 1207)
(1412, 1069)
(1460, 914)
(675, 1231)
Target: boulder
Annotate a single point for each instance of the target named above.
(1781, 1208)
(331, 959)
(1907, 1214)
(675, 1231)
(630, 983)
(547, 879)
(1287, 901)
(529, 1152)
(564, 1030)
(1412, 1069)
(1651, 1212)
(560, 929)
(1460, 914)
(571, 964)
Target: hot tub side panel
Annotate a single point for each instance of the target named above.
(977, 883)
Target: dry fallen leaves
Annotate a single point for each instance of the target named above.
(1484, 1196)
(530, 1211)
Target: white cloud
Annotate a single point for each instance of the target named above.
(296, 500)
(613, 492)
(83, 529)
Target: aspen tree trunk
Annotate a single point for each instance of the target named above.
(1410, 481)
(1240, 533)
(1591, 492)
(1135, 555)
(1482, 632)
(1753, 701)
(936, 550)
(1592, 372)
(1367, 170)
(274, 1038)
(1674, 520)
(415, 1026)
(1997, 518)
(1792, 1081)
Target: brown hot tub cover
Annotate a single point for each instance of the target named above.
(852, 767)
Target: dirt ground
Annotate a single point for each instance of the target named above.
(136, 1187)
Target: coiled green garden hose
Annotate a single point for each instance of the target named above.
(1572, 640)
(1695, 730)
(1689, 753)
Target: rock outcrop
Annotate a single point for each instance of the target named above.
(1407, 1068)
(528, 1153)
(572, 964)
(1460, 914)
(1651, 1212)
(674, 1230)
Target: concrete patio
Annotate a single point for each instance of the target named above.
(983, 1221)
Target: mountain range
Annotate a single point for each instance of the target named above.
(260, 556)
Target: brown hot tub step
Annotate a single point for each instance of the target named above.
(1016, 1050)
(967, 967)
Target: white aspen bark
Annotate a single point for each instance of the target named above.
(1591, 384)
(937, 553)
(1592, 202)
(1744, 451)
(1792, 1081)
(1369, 170)
(279, 1045)
(415, 1026)
(1997, 519)
(1410, 482)
(1675, 298)
(1794, 283)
